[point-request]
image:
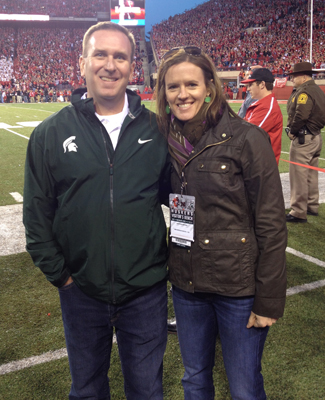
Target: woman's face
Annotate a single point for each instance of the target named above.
(185, 90)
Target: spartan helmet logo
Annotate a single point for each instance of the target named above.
(69, 144)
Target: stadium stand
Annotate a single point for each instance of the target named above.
(235, 34)
(239, 34)
(57, 8)
(45, 58)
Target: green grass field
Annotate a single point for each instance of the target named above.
(30, 325)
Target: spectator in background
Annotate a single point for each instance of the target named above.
(248, 99)
(235, 91)
(265, 111)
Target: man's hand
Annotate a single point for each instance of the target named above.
(260, 322)
(70, 280)
(290, 135)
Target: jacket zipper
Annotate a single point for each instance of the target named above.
(112, 215)
(182, 177)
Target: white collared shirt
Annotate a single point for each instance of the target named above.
(113, 123)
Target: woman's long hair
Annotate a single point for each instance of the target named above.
(212, 82)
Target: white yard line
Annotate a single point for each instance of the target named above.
(17, 196)
(58, 354)
(36, 109)
(305, 257)
(18, 134)
(305, 288)
(31, 361)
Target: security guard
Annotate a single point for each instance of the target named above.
(306, 118)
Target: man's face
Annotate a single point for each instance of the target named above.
(297, 80)
(254, 90)
(107, 69)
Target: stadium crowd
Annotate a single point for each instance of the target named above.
(57, 8)
(39, 58)
(47, 59)
(279, 38)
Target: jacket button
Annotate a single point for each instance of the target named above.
(224, 135)
(188, 251)
(243, 240)
(202, 166)
(207, 241)
(223, 167)
(190, 283)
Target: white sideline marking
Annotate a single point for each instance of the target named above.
(31, 361)
(305, 288)
(36, 109)
(305, 257)
(18, 134)
(17, 196)
(30, 124)
(58, 354)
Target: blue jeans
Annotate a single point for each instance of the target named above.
(201, 317)
(141, 331)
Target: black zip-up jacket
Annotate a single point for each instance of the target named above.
(95, 213)
(240, 226)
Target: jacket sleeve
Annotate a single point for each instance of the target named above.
(265, 198)
(165, 182)
(304, 107)
(40, 205)
(244, 107)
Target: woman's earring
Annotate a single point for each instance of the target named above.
(167, 109)
(207, 99)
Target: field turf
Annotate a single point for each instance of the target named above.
(30, 324)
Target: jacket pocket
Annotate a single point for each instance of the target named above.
(212, 175)
(213, 166)
(227, 258)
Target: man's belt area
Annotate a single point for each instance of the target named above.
(300, 135)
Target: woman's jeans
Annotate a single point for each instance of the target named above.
(201, 317)
(141, 331)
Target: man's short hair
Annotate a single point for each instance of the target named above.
(268, 85)
(107, 26)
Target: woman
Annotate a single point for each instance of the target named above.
(229, 279)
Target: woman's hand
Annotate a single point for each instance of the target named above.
(260, 322)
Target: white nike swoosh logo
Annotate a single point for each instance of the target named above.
(144, 141)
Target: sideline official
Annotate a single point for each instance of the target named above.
(306, 118)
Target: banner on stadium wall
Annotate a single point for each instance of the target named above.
(146, 96)
(280, 82)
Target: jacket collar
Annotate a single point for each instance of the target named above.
(86, 106)
(221, 132)
(306, 84)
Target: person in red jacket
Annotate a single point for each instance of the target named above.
(265, 112)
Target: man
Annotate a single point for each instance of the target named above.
(306, 118)
(248, 100)
(96, 173)
(265, 112)
(235, 91)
